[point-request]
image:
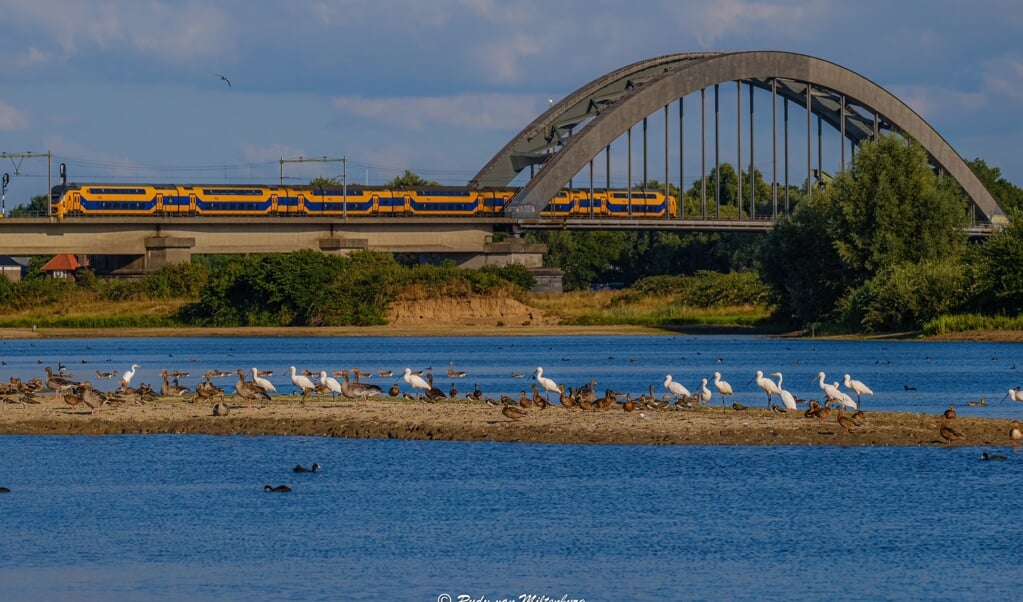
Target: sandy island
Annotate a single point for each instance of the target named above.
(476, 421)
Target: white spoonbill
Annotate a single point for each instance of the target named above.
(830, 391)
(302, 383)
(723, 387)
(676, 388)
(705, 394)
(330, 383)
(127, 376)
(786, 398)
(548, 384)
(857, 387)
(415, 381)
(768, 385)
(261, 382)
(842, 398)
(1014, 394)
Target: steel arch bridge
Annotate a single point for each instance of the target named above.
(566, 139)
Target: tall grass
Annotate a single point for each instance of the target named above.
(965, 322)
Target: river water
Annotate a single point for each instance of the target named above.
(185, 517)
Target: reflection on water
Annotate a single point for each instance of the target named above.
(185, 516)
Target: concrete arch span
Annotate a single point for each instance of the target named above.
(607, 107)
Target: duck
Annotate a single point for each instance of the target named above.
(221, 409)
(950, 413)
(1015, 433)
(948, 433)
(629, 406)
(475, 395)
(394, 391)
(997, 457)
(277, 489)
(567, 401)
(525, 402)
(513, 413)
(4, 490)
(844, 421)
(982, 402)
(300, 468)
(738, 407)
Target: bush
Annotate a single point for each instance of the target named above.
(907, 296)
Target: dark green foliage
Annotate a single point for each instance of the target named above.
(409, 179)
(705, 289)
(39, 206)
(876, 247)
(1000, 267)
(33, 292)
(307, 288)
(1008, 196)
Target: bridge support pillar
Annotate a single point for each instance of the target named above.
(507, 252)
(342, 246)
(167, 250)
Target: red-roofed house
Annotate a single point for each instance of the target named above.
(62, 266)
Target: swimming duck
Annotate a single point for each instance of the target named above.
(300, 468)
(997, 457)
(4, 490)
(277, 489)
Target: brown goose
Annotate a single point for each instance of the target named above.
(950, 413)
(249, 391)
(361, 391)
(171, 390)
(433, 392)
(58, 384)
(513, 413)
(845, 422)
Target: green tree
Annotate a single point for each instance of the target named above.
(326, 183)
(409, 179)
(40, 205)
(1001, 267)
(890, 208)
(1008, 196)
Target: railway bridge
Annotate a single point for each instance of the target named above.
(794, 119)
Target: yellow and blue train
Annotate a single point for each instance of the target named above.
(133, 200)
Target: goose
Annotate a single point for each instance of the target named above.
(433, 392)
(169, 390)
(58, 384)
(950, 413)
(358, 390)
(844, 421)
(249, 391)
(948, 433)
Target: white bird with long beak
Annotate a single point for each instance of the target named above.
(786, 398)
(302, 382)
(330, 383)
(548, 384)
(127, 376)
(262, 383)
(858, 388)
(767, 385)
(415, 381)
(676, 388)
(724, 389)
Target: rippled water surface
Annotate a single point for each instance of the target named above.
(185, 517)
(182, 517)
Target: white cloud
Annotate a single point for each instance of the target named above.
(1003, 78)
(469, 111)
(932, 102)
(11, 118)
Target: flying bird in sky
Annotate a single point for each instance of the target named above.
(225, 79)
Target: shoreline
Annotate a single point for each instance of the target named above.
(474, 330)
(475, 421)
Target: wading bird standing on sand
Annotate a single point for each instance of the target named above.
(858, 388)
(767, 385)
(548, 384)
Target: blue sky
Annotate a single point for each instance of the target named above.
(126, 90)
